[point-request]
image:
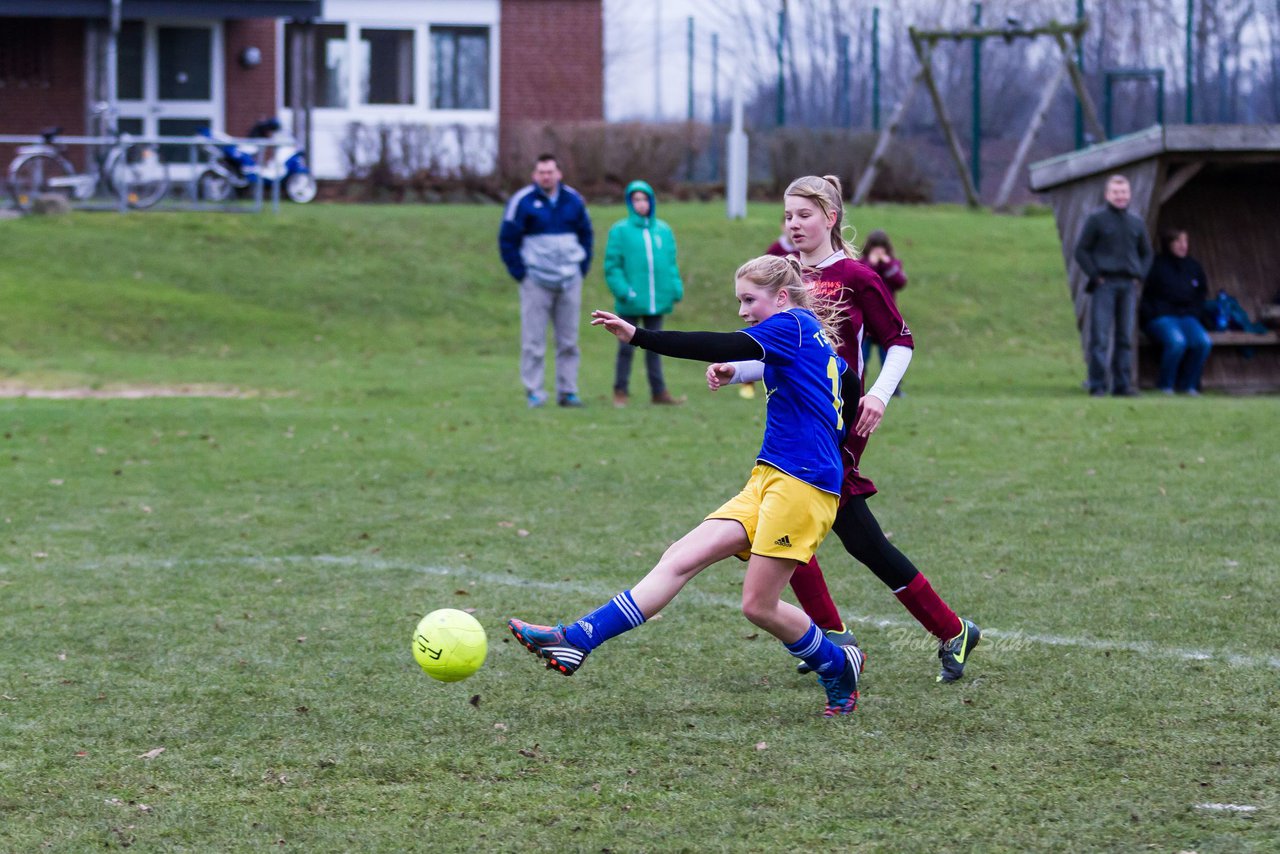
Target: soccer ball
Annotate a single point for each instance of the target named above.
(449, 644)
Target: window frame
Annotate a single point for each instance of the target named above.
(458, 30)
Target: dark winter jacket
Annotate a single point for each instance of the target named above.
(1175, 286)
(640, 261)
(549, 242)
(1113, 244)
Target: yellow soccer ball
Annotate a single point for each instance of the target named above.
(449, 644)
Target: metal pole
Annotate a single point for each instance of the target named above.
(688, 172)
(1080, 65)
(715, 79)
(844, 114)
(113, 61)
(875, 68)
(690, 49)
(657, 60)
(975, 146)
(715, 105)
(1160, 96)
(782, 82)
(1190, 78)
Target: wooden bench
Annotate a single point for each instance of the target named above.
(1243, 362)
(1236, 338)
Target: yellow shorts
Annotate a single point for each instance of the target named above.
(784, 517)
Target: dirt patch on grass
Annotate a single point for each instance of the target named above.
(129, 392)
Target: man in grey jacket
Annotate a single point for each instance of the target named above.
(1114, 251)
(545, 241)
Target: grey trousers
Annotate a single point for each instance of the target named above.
(1111, 328)
(560, 308)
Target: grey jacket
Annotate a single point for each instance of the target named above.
(1113, 244)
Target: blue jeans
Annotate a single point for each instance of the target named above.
(1111, 320)
(1184, 348)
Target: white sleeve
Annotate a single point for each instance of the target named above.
(747, 372)
(895, 365)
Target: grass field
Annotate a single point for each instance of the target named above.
(235, 579)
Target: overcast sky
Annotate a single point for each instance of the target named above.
(635, 33)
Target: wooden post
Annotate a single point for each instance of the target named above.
(1077, 83)
(1024, 147)
(923, 49)
(868, 178)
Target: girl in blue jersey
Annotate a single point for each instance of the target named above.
(789, 502)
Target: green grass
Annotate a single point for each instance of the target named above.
(236, 579)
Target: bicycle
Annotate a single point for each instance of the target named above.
(131, 171)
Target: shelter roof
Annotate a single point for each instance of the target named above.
(1195, 141)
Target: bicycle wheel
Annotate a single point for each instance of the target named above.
(137, 173)
(214, 187)
(29, 176)
(300, 187)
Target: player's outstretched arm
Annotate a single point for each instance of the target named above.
(620, 328)
(719, 374)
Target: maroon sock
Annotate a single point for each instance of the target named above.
(928, 608)
(812, 594)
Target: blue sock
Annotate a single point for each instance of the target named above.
(817, 651)
(611, 619)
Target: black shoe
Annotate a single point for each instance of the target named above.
(955, 652)
(1127, 392)
(571, 400)
(1097, 392)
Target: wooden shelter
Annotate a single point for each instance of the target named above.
(1221, 183)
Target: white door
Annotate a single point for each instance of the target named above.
(169, 79)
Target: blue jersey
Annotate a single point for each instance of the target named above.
(803, 422)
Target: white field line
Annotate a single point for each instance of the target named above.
(907, 633)
(1227, 807)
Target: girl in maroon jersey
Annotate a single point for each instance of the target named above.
(815, 224)
(877, 253)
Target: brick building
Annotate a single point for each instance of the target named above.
(446, 76)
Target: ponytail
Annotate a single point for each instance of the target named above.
(828, 194)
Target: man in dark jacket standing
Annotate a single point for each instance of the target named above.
(1114, 251)
(545, 242)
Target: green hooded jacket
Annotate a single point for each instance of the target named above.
(640, 261)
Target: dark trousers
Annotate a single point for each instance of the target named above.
(1111, 320)
(652, 362)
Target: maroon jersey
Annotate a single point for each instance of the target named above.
(780, 247)
(867, 310)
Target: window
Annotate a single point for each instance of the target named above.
(460, 68)
(129, 50)
(185, 60)
(386, 66)
(26, 49)
(329, 66)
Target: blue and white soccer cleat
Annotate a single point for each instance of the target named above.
(842, 690)
(548, 643)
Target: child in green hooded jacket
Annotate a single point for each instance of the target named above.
(640, 269)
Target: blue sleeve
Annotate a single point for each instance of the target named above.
(585, 235)
(510, 236)
(780, 337)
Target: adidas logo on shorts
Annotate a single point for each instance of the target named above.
(784, 541)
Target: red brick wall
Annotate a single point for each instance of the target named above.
(552, 61)
(250, 92)
(25, 108)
